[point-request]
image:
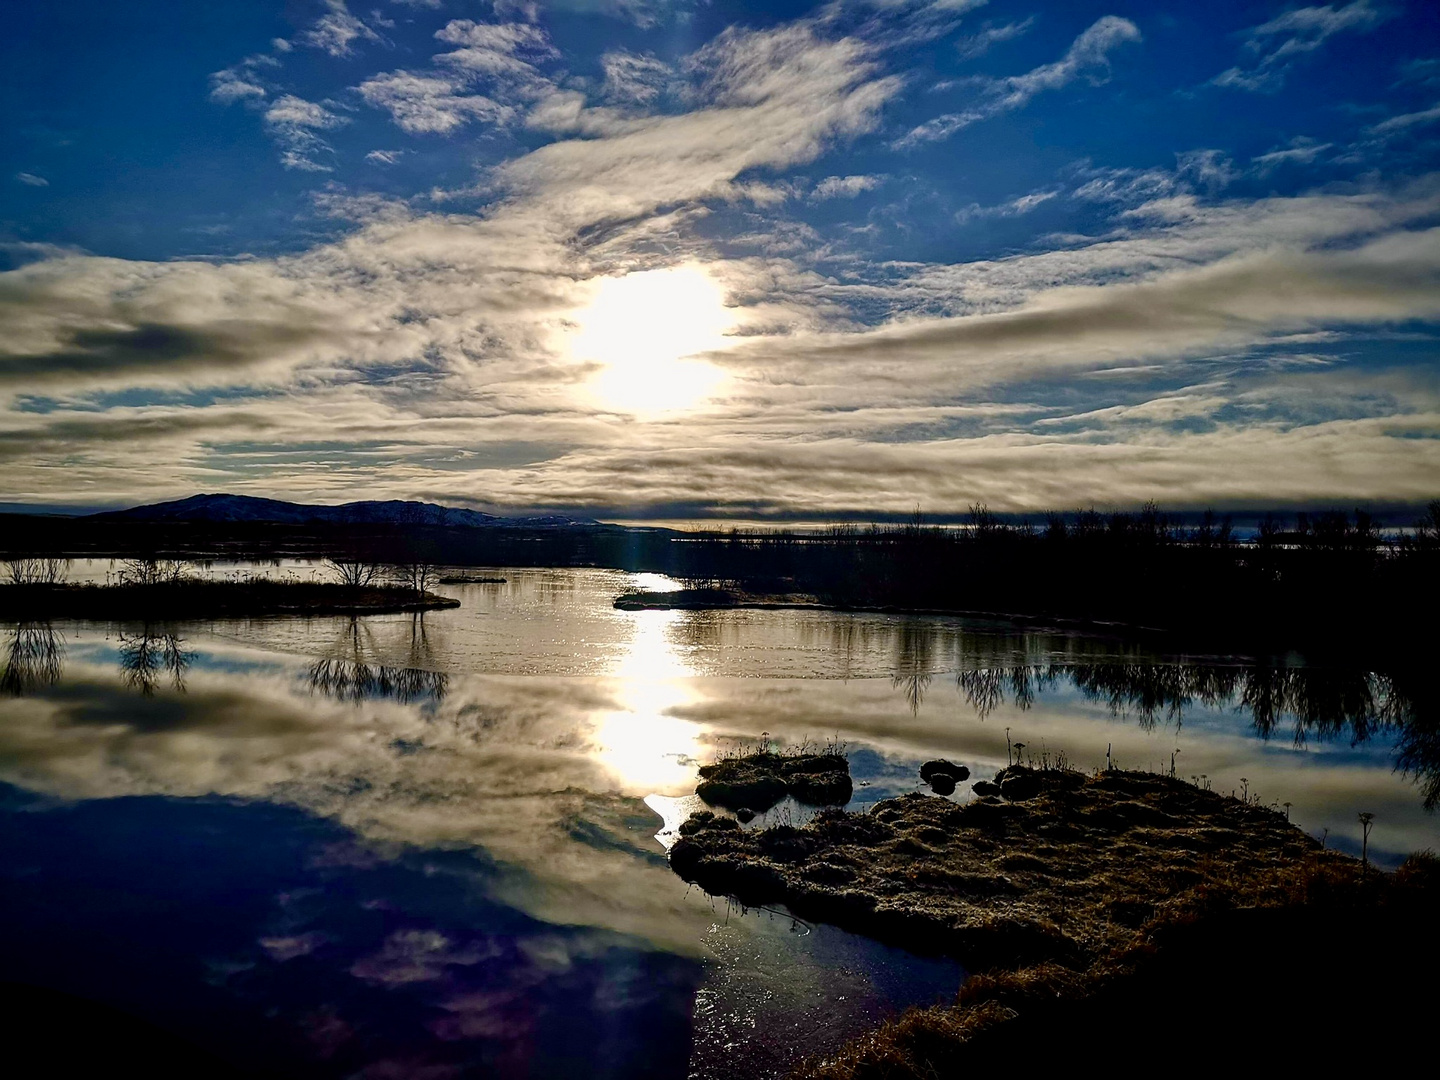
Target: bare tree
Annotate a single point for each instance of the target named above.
(417, 575)
(150, 570)
(354, 571)
(36, 571)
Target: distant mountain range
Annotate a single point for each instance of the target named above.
(390, 512)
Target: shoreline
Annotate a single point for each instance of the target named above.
(737, 600)
(1231, 642)
(211, 600)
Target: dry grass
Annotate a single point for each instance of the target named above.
(1064, 868)
(1083, 902)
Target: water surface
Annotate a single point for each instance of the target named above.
(434, 845)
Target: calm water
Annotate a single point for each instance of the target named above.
(405, 846)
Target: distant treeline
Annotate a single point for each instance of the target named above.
(1298, 580)
(23, 536)
(1303, 581)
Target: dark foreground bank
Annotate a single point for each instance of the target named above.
(191, 599)
(1125, 915)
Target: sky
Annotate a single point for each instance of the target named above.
(676, 260)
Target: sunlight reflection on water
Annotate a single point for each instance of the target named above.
(644, 742)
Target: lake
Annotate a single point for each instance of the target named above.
(433, 846)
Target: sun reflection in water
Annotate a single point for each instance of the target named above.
(650, 749)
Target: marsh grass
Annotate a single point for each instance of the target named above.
(1218, 975)
(1126, 910)
(1056, 867)
(756, 777)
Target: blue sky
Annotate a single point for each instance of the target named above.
(636, 257)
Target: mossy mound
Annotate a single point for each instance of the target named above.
(940, 766)
(1061, 867)
(759, 781)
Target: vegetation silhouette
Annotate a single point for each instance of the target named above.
(1322, 580)
(349, 675)
(1316, 581)
(150, 655)
(34, 659)
(1320, 702)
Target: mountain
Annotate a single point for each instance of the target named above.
(391, 512)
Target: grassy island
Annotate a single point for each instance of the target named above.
(757, 781)
(197, 599)
(1086, 902)
(708, 599)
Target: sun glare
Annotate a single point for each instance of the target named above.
(647, 747)
(646, 330)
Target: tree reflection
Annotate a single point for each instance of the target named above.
(148, 657)
(34, 659)
(1325, 702)
(349, 675)
(914, 652)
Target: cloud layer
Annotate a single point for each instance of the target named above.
(1167, 330)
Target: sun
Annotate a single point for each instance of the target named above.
(646, 330)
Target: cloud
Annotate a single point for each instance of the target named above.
(442, 100)
(632, 78)
(1405, 121)
(977, 45)
(229, 86)
(1273, 47)
(1022, 205)
(110, 322)
(1088, 55)
(430, 103)
(427, 353)
(497, 50)
(336, 30)
(846, 187)
(293, 122)
(1300, 151)
(31, 180)
(243, 81)
(761, 100)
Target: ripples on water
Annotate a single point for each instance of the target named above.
(404, 846)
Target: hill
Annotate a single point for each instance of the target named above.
(236, 508)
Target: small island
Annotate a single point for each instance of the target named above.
(752, 783)
(711, 599)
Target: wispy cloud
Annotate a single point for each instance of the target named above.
(978, 44)
(337, 30)
(847, 187)
(444, 98)
(1405, 121)
(243, 81)
(634, 79)
(431, 104)
(293, 122)
(1271, 48)
(1299, 151)
(496, 50)
(1022, 205)
(1088, 56)
(31, 180)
